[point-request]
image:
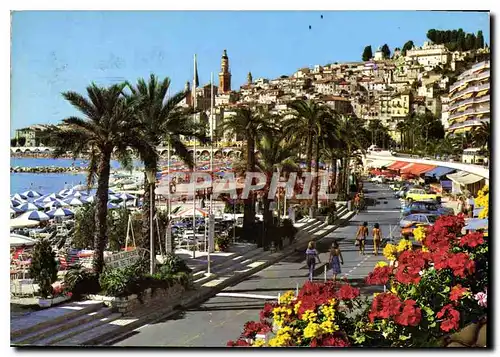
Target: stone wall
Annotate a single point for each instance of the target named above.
(149, 297)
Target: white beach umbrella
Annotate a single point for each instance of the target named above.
(79, 194)
(112, 205)
(88, 199)
(73, 201)
(66, 192)
(32, 194)
(125, 196)
(15, 210)
(60, 212)
(21, 222)
(15, 203)
(17, 240)
(19, 197)
(55, 204)
(35, 216)
(112, 197)
(28, 206)
(51, 197)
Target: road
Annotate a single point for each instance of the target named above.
(221, 318)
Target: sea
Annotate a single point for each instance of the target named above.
(47, 183)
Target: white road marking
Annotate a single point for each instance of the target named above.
(384, 211)
(250, 296)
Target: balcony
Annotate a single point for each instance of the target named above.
(470, 101)
(471, 78)
(477, 110)
(470, 90)
(467, 123)
(474, 68)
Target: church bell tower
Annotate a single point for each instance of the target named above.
(224, 75)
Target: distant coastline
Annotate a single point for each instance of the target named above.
(38, 155)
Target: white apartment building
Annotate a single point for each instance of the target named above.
(429, 55)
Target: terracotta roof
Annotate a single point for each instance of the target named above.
(332, 98)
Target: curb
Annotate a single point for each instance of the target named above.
(203, 294)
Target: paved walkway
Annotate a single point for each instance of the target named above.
(221, 318)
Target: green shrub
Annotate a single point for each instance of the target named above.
(122, 281)
(222, 242)
(43, 267)
(80, 281)
(173, 264)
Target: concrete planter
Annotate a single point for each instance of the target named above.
(45, 303)
(128, 304)
(472, 335)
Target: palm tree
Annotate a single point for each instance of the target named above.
(481, 135)
(107, 129)
(306, 127)
(163, 120)
(247, 123)
(276, 154)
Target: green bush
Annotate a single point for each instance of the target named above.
(122, 281)
(222, 242)
(173, 264)
(80, 281)
(43, 267)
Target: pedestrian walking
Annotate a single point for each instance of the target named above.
(361, 237)
(377, 238)
(335, 260)
(311, 257)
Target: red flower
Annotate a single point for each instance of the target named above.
(253, 328)
(461, 264)
(238, 343)
(410, 264)
(451, 322)
(440, 258)
(410, 315)
(456, 292)
(266, 312)
(385, 305)
(472, 239)
(332, 341)
(347, 292)
(379, 276)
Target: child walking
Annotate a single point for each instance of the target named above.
(311, 257)
(377, 238)
(335, 260)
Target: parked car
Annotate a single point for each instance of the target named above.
(412, 221)
(378, 179)
(421, 218)
(426, 207)
(419, 194)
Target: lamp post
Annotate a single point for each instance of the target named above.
(151, 175)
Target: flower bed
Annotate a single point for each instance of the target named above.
(435, 291)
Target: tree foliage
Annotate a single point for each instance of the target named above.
(367, 53)
(43, 267)
(386, 51)
(407, 46)
(457, 40)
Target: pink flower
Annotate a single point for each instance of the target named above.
(481, 298)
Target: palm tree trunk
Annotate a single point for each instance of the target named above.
(334, 175)
(309, 161)
(249, 207)
(146, 209)
(267, 218)
(315, 179)
(101, 211)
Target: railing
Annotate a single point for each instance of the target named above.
(473, 69)
(465, 124)
(477, 110)
(486, 98)
(475, 77)
(470, 89)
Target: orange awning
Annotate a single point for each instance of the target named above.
(397, 165)
(417, 169)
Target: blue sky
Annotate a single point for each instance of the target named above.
(54, 52)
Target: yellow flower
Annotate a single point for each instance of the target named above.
(419, 233)
(425, 249)
(312, 330)
(381, 264)
(297, 307)
(282, 338)
(287, 297)
(309, 316)
(393, 290)
(259, 342)
(390, 251)
(328, 312)
(328, 327)
(404, 244)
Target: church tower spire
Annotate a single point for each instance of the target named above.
(249, 78)
(224, 75)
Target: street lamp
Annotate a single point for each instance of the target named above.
(151, 175)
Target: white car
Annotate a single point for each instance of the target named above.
(377, 179)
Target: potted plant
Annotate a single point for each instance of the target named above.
(222, 243)
(43, 269)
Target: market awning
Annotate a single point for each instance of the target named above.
(397, 165)
(464, 178)
(380, 163)
(439, 171)
(416, 169)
